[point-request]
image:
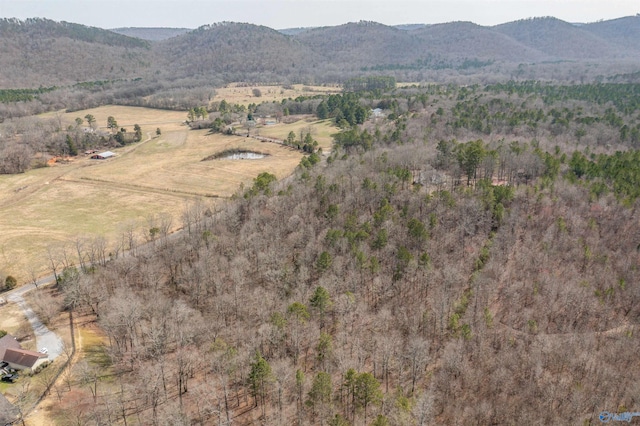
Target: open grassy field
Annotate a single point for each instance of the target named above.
(149, 119)
(237, 93)
(46, 208)
(320, 130)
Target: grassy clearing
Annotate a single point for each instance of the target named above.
(405, 84)
(93, 347)
(62, 210)
(235, 93)
(53, 206)
(172, 165)
(320, 130)
(147, 118)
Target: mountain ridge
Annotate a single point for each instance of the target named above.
(65, 53)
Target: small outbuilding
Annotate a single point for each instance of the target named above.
(103, 155)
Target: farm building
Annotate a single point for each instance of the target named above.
(103, 155)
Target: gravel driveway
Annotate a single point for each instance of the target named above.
(45, 338)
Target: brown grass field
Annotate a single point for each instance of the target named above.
(237, 93)
(53, 206)
(320, 130)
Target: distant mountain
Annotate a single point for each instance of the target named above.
(233, 48)
(457, 40)
(298, 30)
(561, 40)
(38, 27)
(361, 44)
(624, 32)
(151, 34)
(41, 52)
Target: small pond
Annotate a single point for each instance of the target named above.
(236, 154)
(244, 156)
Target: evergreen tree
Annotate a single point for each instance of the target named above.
(73, 151)
(367, 391)
(260, 378)
(322, 111)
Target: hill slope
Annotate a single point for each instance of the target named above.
(561, 40)
(39, 52)
(233, 48)
(361, 44)
(468, 40)
(624, 32)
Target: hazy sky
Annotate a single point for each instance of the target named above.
(280, 14)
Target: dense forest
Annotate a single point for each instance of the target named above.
(470, 257)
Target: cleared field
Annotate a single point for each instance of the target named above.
(320, 130)
(47, 208)
(172, 164)
(239, 94)
(147, 118)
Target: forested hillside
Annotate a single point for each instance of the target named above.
(237, 51)
(561, 40)
(623, 31)
(40, 52)
(471, 257)
(465, 40)
(361, 44)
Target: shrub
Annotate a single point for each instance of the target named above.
(10, 282)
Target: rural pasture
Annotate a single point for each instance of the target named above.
(320, 130)
(47, 208)
(239, 93)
